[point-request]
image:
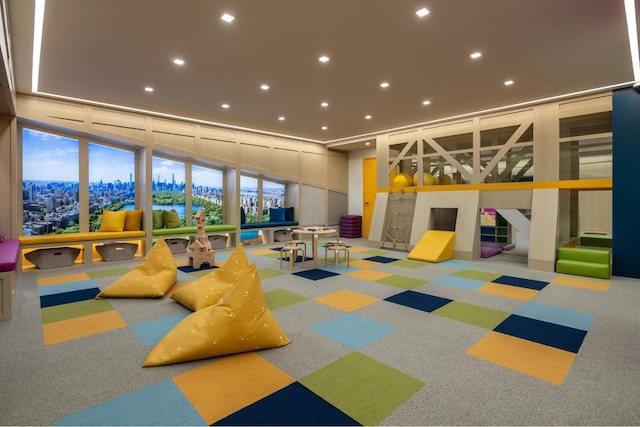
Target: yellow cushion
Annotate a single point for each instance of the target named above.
(238, 323)
(208, 289)
(112, 220)
(171, 218)
(152, 278)
(132, 220)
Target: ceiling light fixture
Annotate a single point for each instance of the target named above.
(225, 106)
(368, 117)
(426, 102)
(323, 59)
(38, 22)
(367, 143)
(264, 87)
(324, 104)
(227, 18)
(508, 82)
(423, 12)
(475, 55)
(148, 89)
(324, 128)
(384, 85)
(281, 118)
(178, 61)
(632, 29)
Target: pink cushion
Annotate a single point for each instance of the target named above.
(9, 250)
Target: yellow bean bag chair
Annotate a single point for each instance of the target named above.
(238, 323)
(208, 289)
(152, 278)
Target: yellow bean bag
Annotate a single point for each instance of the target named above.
(238, 323)
(208, 289)
(152, 278)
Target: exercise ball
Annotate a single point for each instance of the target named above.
(446, 181)
(402, 180)
(427, 179)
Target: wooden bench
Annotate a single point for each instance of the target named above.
(9, 251)
(86, 241)
(188, 232)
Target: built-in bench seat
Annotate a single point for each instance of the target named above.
(86, 241)
(9, 252)
(192, 230)
(279, 218)
(178, 237)
(584, 262)
(269, 224)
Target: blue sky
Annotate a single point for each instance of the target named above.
(47, 157)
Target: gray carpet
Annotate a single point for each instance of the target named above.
(44, 384)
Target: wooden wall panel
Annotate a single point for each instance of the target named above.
(313, 168)
(217, 150)
(285, 163)
(255, 157)
(338, 176)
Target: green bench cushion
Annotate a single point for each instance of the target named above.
(598, 256)
(192, 229)
(581, 268)
(597, 240)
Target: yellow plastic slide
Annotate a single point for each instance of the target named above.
(434, 246)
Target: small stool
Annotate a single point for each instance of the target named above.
(298, 243)
(292, 250)
(337, 249)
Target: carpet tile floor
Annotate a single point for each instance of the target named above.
(536, 339)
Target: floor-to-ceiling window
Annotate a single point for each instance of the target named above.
(207, 191)
(168, 186)
(50, 183)
(112, 184)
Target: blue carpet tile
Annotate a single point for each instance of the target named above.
(292, 405)
(315, 274)
(352, 331)
(68, 297)
(559, 316)
(546, 333)
(522, 283)
(190, 269)
(151, 332)
(419, 301)
(161, 404)
(66, 287)
(381, 259)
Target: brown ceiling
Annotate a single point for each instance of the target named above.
(108, 51)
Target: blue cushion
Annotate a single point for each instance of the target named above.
(243, 217)
(276, 214)
(288, 214)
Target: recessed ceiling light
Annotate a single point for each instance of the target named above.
(508, 82)
(148, 89)
(178, 61)
(324, 128)
(227, 18)
(367, 143)
(281, 118)
(426, 102)
(225, 106)
(384, 85)
(475, 55)
(264, 87)
(422, 12)
(323, 58)
(324, 104)
(368, 117)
